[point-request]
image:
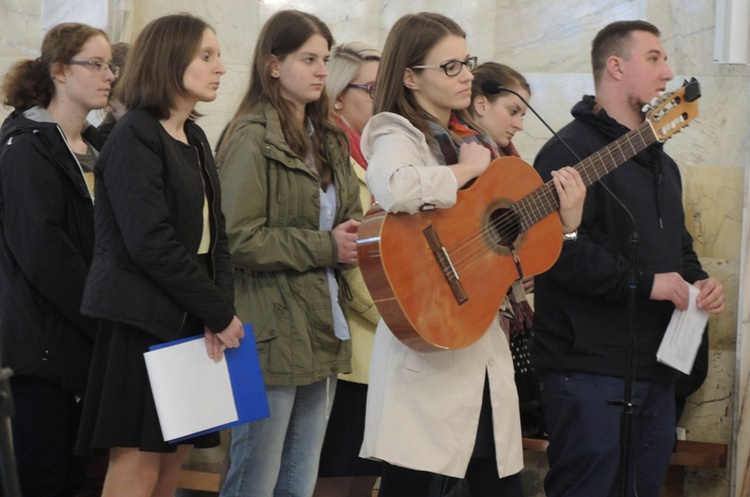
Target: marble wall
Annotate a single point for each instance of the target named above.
(549, 41)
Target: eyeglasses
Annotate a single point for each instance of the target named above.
(452, 67)
(99, 65)
(370, 89)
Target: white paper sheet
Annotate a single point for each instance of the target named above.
(192, 393)
(683, 337)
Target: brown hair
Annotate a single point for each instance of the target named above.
(615, 39)
(284, 33)
(498, 73)
(29, 82)
(408, 43)
(119, 58)
(152, 79)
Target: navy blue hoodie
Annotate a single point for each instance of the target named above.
(582, 317)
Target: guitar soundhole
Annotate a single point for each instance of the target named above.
(504, 226)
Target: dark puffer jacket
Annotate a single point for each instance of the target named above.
(46, 244)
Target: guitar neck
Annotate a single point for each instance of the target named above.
(544, 200)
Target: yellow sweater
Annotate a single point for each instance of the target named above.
(363, 315)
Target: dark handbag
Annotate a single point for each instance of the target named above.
(520, 317)
(527, 384)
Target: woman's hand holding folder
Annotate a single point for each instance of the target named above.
(217, 343)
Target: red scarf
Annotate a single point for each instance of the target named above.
(523, 315)
(354, 139)
(510, 150)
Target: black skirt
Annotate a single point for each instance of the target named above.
(344, 435)
(119, 409)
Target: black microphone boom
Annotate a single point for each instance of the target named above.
(493, 88)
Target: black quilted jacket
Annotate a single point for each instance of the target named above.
(149, 222)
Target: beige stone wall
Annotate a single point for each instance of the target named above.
(549, 41)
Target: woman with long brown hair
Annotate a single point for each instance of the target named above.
(292, 205)
(450, 412)
(161, 267)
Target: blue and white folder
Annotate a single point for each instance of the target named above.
(194, 395)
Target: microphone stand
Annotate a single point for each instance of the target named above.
(9, 486)
(626, 417)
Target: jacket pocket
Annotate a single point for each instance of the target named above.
(258, 300)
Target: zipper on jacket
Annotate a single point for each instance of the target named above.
(212, 212)
(80, 167)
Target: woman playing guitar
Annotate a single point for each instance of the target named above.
(450, 412)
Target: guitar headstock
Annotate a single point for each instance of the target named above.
(670, 113)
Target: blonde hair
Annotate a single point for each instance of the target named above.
(344, 62)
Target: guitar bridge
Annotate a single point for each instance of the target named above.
(446, 265)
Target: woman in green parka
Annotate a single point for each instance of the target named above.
(292, 206)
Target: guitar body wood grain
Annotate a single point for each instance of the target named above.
(408, 284)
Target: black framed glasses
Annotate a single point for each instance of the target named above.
(98, 65)
(370, 89)
(452, 67)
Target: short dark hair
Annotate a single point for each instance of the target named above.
(615, 39)
(29, 82)
(157, 61)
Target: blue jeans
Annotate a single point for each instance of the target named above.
(278, 456)
(584, 434)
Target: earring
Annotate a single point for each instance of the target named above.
(337, 106)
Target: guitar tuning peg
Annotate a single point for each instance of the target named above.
(646, 108)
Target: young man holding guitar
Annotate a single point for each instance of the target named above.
(583, 315)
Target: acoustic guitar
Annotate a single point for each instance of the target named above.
(439, 277)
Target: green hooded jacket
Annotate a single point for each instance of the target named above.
(272, 207)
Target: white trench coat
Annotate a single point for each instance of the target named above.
(423, 407)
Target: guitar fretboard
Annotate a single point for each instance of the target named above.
(544, 200)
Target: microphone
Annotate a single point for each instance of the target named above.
(492, 87)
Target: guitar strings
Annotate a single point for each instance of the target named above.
(544, 197)
(548, 195)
